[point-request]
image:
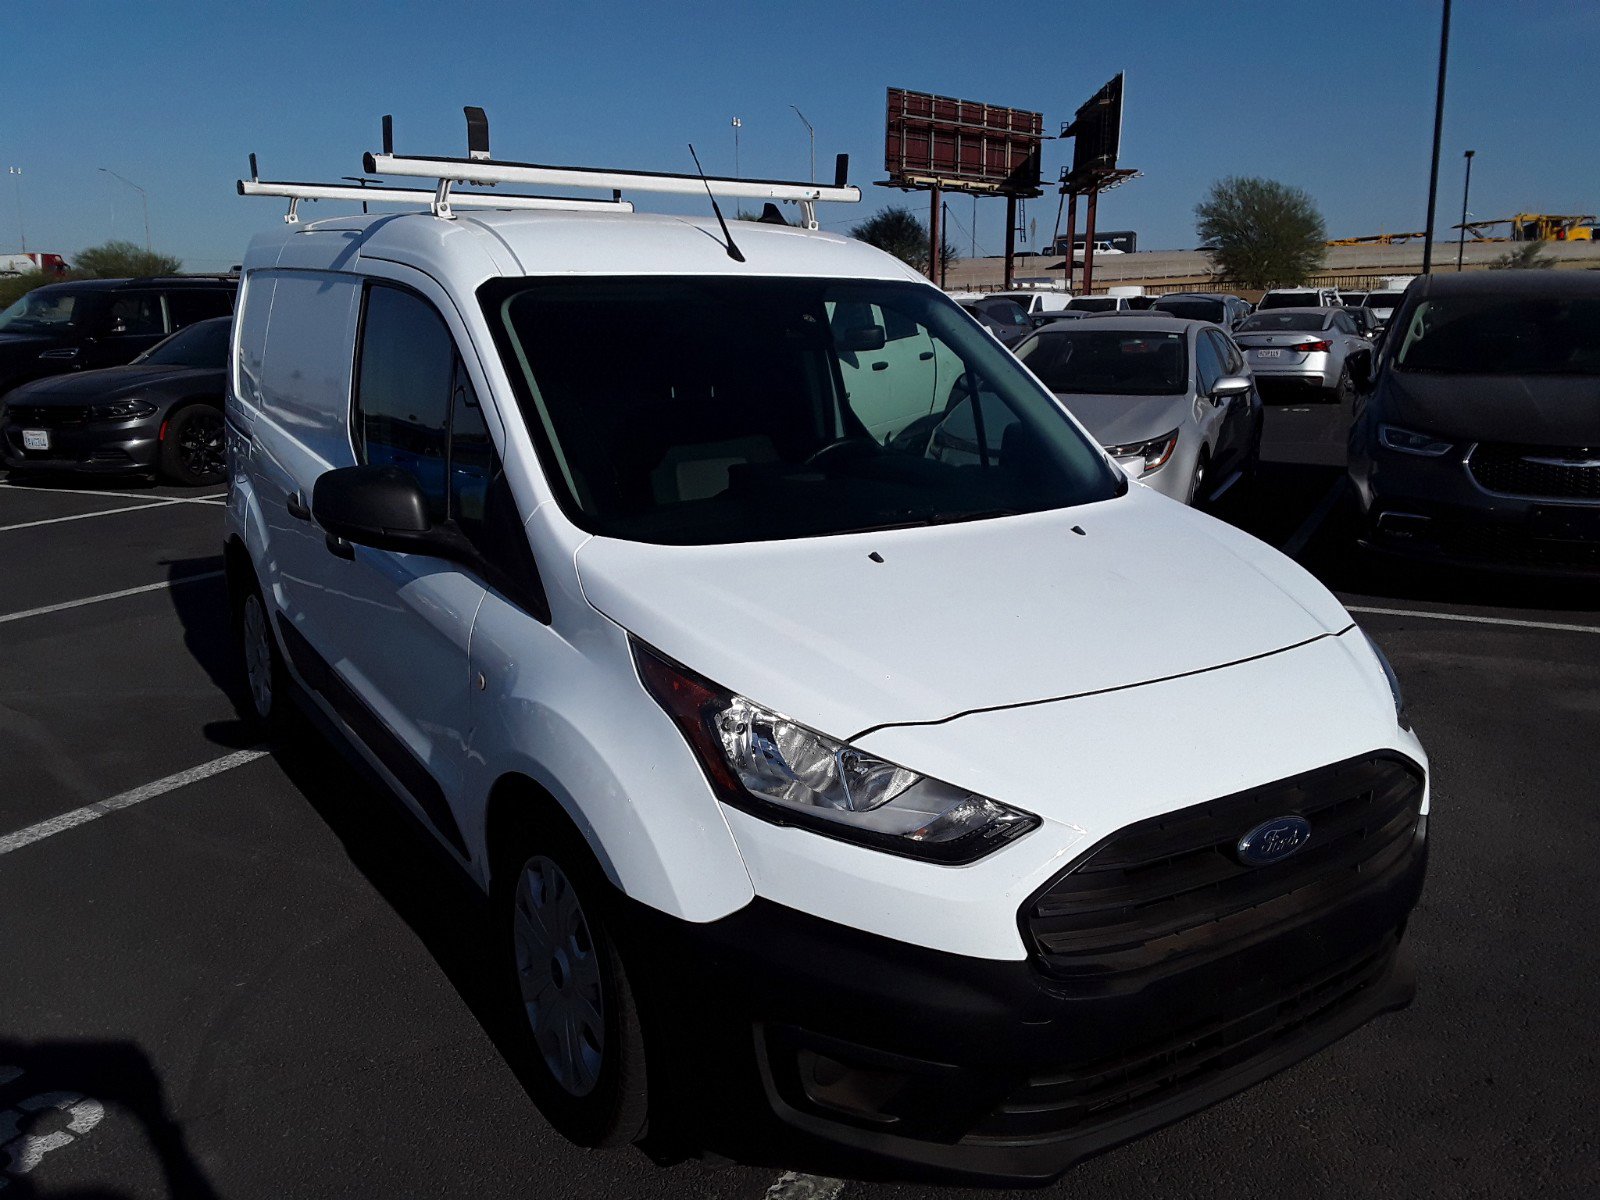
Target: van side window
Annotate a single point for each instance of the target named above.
(403, 390)
(472, 459)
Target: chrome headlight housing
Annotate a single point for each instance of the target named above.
(1409, 441)
(1152, 455)
(119, 410)
(764, 763)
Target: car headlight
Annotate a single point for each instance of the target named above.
(1394, 682)
(1154, 453)
(1408, 441)
(119, 410)
(777, 769)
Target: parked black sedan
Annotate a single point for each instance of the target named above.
(160, 414)
(1480, 442)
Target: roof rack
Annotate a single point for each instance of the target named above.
(480, 170)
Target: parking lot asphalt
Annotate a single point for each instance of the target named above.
(261, 982)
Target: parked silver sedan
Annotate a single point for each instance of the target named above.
(1308, 349)
(1170, 399)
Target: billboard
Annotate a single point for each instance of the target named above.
(1096, 130)
(961, 145)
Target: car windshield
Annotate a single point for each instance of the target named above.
(1195, 308)
(1503, 335)
(1384, 299)
(1108, 362)
(1291, 300)
(202, 345)
(736, 410)
(1281, 321)
(46, 310)
(1092, 303)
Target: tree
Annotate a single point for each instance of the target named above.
(120, 260)
(899, 232)
(1261, 233)
(1529, 256)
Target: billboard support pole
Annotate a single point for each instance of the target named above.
(1088, 237)
(933, 235)
(1072, 223)
(1011, 240)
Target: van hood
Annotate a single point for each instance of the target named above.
(1537, 410)
(954, 618)
(1119, 420)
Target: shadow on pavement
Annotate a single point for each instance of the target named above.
(54, 1093)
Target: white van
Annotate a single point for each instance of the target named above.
(845, 729)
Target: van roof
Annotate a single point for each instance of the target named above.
(482, 244)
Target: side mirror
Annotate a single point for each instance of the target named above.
(383, 507)
(1230, 385)
(862, 339)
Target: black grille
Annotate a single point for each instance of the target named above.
(1100, 1092)
(48, 416)
(1506, 469)
(1509, 545)
(1171, 888)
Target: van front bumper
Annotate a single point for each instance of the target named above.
(876, 1054)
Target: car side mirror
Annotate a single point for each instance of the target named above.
(863, 339)
(1230, 385)
(383, 507)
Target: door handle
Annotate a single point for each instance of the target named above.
(297, 507)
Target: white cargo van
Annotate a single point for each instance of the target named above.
(839, 726)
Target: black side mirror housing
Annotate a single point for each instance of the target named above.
(383, 507)
(863, 339)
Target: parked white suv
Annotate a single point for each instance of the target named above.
(840, 739)
(1301, 297)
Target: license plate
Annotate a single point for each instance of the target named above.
(36, 439)
(1562, 524)
(1268, 353)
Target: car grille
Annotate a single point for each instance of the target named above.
(1506, 469)
(1050, 1106)
(51, 416)
(1499, 543)
(1170, 892)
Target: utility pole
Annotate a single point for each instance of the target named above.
(813, 133)
(1466, 190)
(16, 181)
(736, 125)
(143, 195)
(934, 240)
(944, 266)
(1438, 129)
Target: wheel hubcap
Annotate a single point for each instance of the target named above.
(257, 656)
(200, 446)
(559, 976)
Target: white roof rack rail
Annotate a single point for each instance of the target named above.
(481, 170)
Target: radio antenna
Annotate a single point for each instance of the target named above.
(733, 251)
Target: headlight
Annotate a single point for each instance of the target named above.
(1410, 442)
(118, 410)
(777, 769)
(1154, 453)
(1394, 682)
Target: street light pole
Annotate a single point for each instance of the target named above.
(16, 180)
(1438, 128)
(813, 134)
(736, 124)
(143, 195)
(1466, 189)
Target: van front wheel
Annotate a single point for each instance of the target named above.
(586, 1053)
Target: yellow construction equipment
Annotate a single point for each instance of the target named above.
(1534, 227)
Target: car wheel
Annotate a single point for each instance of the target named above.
(1344, 392)
(192, 451)
(266, 681)
(584, 1044)
(1197, 481)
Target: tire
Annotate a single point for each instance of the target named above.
(581, 1041)
(192, 452)
(1197, 481)
(265, 679)
(1344, 391)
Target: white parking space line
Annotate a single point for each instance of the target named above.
(133, 591)
(93, 812)
(792, 1185)
(104, 512)
(1308, 528)
(1439, 616)
(46, 491)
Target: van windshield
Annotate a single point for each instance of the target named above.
(1503, 335)
(735, 410)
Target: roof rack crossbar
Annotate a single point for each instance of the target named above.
(491, 171)
(296, 192)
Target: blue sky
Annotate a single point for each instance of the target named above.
(1336, 98)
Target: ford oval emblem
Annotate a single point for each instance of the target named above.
(1273, 841)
